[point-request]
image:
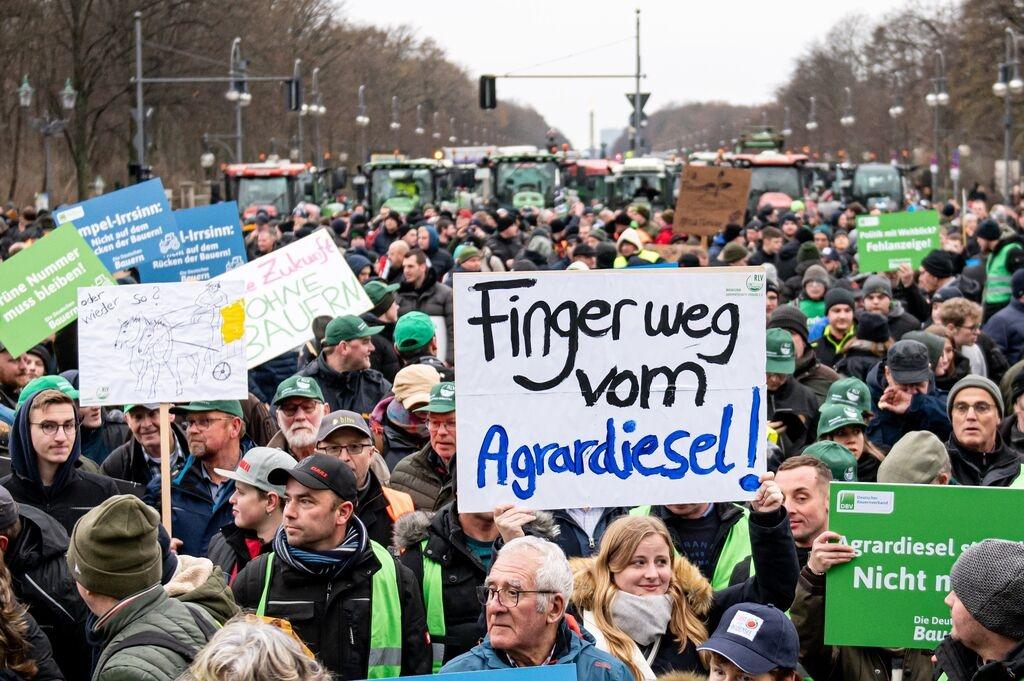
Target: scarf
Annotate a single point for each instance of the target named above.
(642, 618)
(331, 562)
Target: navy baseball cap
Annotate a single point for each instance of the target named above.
(756, 638)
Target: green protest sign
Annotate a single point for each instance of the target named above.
(891, 595)
(884, 242)
(39, 287)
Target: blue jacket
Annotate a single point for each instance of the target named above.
(591, 664)
(571, 538)
(926, 412)
(195, 515)
(1006, 328)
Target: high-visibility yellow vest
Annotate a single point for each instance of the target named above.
(433, 599)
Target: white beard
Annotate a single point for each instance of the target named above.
(299, 438)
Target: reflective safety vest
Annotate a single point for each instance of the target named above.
(433, 598)
(385, 658)
(735, 551)
(650, 256)
(997, 277)
(399, 503)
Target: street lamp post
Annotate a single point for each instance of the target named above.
(786, 130)
(1008, 85)
(848, 119)
(812, 118)
(451, 130)
(396, 124)
(47, 125)
(435, 130)
(298, 152)
(896, 112)
(238, 94)
(362, 120)
(937, 99)
(316, 110)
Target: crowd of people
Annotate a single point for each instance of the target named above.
(316, 530)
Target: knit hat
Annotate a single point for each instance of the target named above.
(1017, 386)
(852, 392)
(1017, 283)
(816, 273)
(839, 296)
(975, 381)
(947, 292)
(988, 230)
(917, 458)
(838, 458)
(466, 253)
(988, 578)
(808, 252)
(872, 327)
(876, 284)
(790, 318)
(733, 252)
(939, 264)
(935, 344)
(731, 231)
(113, 549)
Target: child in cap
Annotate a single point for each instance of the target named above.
(755, 642)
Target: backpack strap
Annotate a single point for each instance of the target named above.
(159, 639)
(208, 629)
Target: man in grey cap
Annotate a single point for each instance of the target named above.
(986, 604)
(918, 458)
(977, 451)
(903, 387)
(256, 507)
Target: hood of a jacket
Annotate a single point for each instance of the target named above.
(42, 539)
(630, 236)
(698, 591)
(435, 240)
(23, 455)
(200, 582)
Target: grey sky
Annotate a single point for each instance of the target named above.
(732, 50)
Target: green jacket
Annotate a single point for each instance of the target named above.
(151, 612)
(419, 475)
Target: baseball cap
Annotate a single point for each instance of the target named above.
(835, 416)
(780, 352)
(381, 295)
(233, 407)
(320, 471)
(851, 391)
(255, 466)
(442, 399)
(149, 406)
(342, 418)
(412, 331)
(838, 458)
(909, 362)
(47, 383)
(756, 638)
(348, 327)
(413, 383)
(917, 458)
(298, 386)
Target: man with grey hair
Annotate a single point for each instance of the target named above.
(987, 609)
(525, 597)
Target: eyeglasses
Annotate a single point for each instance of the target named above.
(506, 597)
(436, 425)
(337, 450)
(291, 410)
(980, 408)
(204, 422)
(50, 427)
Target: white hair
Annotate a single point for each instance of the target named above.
(553, 572)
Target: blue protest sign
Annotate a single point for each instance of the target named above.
(207, 242)
(124, 228)
(547, 672)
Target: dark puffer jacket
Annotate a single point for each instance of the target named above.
(357, 391)
(423, 476)
(128, 462)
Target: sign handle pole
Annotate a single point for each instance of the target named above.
(165, 465)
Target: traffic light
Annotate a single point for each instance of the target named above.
(488, 92)
(294, 94)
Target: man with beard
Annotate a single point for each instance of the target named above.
(300, 408)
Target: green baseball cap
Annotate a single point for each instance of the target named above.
(377, 290)
(298, 386)
(836, 416)
(413, 331)
(47, 383)
(780, 352)
(838, 458)
(850, 391)
(149, 407)
(442, 399)
(233, 407)
(348, 327)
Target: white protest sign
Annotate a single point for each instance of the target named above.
(610, 388)
(172, 342)
(285, 290)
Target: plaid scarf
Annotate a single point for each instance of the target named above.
(330, 562)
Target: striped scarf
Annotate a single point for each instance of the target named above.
(330, 562)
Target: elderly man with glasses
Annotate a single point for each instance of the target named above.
(299, 408)
(978, 453)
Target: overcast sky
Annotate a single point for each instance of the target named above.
(738, 51)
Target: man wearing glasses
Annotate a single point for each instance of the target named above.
(426, 475)
(978, 453)
(525, 612)
(300, 409)
(345, 436)
(199, 494)
(44, 449)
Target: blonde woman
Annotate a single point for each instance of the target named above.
(651, 608)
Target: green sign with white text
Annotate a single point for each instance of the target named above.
(886, 241)
(908, 537)
(39, 287)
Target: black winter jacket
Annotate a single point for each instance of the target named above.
(572, 539)
(228, 549)
(384, 358)
(128, 462)
(357, 391)
(81, 493)
(960, 663)
(332, 614)
(997, 468)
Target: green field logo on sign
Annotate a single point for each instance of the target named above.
(856, 501)
(847, 501)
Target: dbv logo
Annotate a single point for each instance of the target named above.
(847, 501)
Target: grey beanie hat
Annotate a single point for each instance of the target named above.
(988, 578)
(975, 381)
(876, 283)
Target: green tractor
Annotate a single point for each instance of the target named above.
(526, 180)
(405, 185)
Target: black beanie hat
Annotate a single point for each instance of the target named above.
(988, 229)
(840, 296)
(939, 264)
(873, 327)
(790, 318)
(731, 231)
